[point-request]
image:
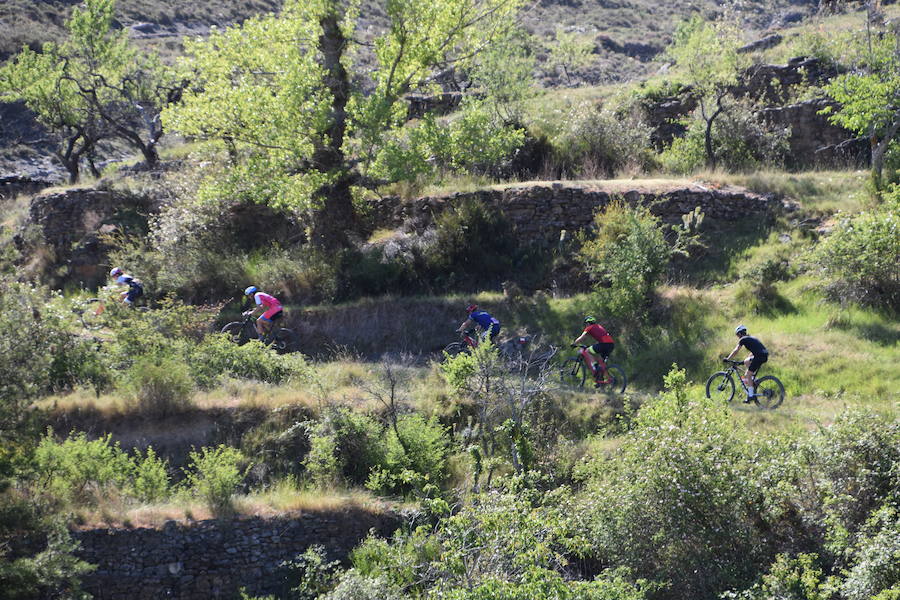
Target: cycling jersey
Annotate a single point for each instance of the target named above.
(598, 333)
(753, 345)
(135, 287)
(273, 306)
(484, 319)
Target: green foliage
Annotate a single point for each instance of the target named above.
(599, 142)
(162, 387)
(675, 502)
(545, 584)
(353, 586)
(860, 255)
(217, 356)
(570, 52)
(310, 574)
(151, 477)
(415, 454)
(82, 470)
(214, 476)
(344, 446)
(626, 257)
(877, 568)
(791, 579)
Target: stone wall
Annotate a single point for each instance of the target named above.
(540, 212)
(214, 559)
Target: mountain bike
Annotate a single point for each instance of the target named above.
(517, 352)
(574, 372)
(91, 313)
(240, 332)
(769, 390)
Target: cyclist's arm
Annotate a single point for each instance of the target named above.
(466, 325)
(733, 352)
(583, 339)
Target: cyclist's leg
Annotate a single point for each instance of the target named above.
(494, 331)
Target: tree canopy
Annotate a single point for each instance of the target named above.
(305, 121)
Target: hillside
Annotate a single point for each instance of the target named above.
(152, 446)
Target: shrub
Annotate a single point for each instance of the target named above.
(877, 567)
(353, 586)
(415, 453)
(344, 445)
(600, 143)
(214, 476)
(626, 257)
(789, 579)
(162, 387)
(218, 356)
(151, 477)
(82, 470)
(675, 503)
(860, 255)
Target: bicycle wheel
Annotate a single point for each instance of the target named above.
(572, 372)
(769, 392)
(720, 386)
(617, 379)
(92, 315)
(454, 348)
(284, 340)
(236, 332)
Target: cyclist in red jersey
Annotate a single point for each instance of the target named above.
(598, 352)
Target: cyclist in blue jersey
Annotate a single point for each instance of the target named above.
(135, 287)
(488, 325)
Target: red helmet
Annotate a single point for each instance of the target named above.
(471, 308)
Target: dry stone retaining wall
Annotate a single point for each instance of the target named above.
(541, 212)
(214, 559)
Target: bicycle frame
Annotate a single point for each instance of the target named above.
(586, 357)
(733, 370)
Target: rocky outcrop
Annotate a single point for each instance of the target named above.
(214, 559)
(541, 212)
(814, 141)
(73, 225)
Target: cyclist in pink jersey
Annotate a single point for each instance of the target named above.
(270, 307)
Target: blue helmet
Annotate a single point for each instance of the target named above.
(250, 290)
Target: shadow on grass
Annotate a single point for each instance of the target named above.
(725, 242)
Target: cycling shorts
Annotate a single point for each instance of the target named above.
(757, 361)
(491, 332)
(602, 349)
(134, 292)
(273, 314)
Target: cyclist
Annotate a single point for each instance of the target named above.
(270, 307)
(596, 354)
(489, 326)
(758, 355)
(135, 287)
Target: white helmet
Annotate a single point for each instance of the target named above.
(115, 271)
(740, 329)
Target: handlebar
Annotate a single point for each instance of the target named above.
(733, 363)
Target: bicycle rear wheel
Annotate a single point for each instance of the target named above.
(769, 392)
(91, 316)
(617, 380)
(284, 340)
(572, 372)
(720, 386)
(454, 348)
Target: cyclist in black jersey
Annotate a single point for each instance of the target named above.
(758, 355)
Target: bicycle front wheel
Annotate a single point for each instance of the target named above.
(617, 380)
(572, 372)
(720, 386)
(236, 332)
(769, 392)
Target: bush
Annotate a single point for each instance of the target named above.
(600, 143)
(789, 579)
(162, 387)
(415, 454)
(82, 470)
(877, 567)
(344, 445)
(214, 476)
(151, 477)
(625, 258)
(217, 356)
(860, 255)
(353, 586)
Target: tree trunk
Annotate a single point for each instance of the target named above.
(880, 148)
(336, 217)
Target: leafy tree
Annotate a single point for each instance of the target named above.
(304, 125)
(570, 51)
(94, 85)
(869, 97)
(707, 54)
